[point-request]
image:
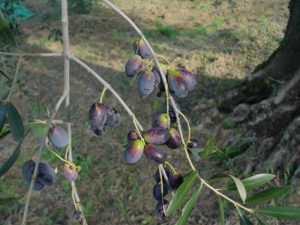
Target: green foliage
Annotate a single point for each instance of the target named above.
(269, 194)
(6, 201)
(221, 211)
(11, 160)
(5, 32)
(81, 6)
(181, 193)
(15, 122)
(3, 110)
(166, 31)
(243, 219)
(252, 182)
(281, 212)
(188, 208)
(240, 187)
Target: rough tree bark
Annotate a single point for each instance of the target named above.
(268, 103)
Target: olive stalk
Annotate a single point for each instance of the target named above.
(173, 104)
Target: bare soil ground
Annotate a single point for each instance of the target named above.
(219, 41)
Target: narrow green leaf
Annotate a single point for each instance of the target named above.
(260, 221)
(281, 212)
(15, 122)
(181, 193)
(240, 187)
(221, 211)
(252, 182)
(4, 201)
(243, 219)
(10, 161)
(269, 194)
(5, 31)
(188, 208)
(3, 111)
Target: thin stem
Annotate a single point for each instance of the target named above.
(168, 97)
(154, 55)
(52, 54)
(137, 73)
(188, 125)
(38, 157)
(66, 43)
(224, 196)
(134, 120)
(15, 79)
(62, 159)
(164, 58)
(102, 94)
(108, 86)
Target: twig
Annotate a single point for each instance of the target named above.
(108, 86)
(169, 97)
(154, 55)
(15, 79)
(66, 52)
(38, 157)
(51, 54)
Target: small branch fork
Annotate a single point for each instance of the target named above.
(67, 55)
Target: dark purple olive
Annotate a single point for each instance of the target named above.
(159, 209)
(193, 143)
(156, 135)
(45, 174)
(58, 136)
(177, 84)
(146, 83)
(175, 181)
(155, 154)
(174, 140)
(134, 151)
(156, 73)
(98, 117)
(134, 65)
(189, 78)
(162, 120)
(70, 172)
(140, 47)
(157, 191)
(132, 135)
(77, 216)
(113, 117)
(172, 116)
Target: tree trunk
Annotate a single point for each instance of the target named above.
(268, 103)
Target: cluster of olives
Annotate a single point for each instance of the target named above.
(45, 174)
(180, 81)
(159, 134)
(58, 138)
(173, 182)
(101, 116)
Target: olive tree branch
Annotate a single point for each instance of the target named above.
(15, 79)
(66, 52)
(173, 104)
(154, 55)
(38, 156)
(108, 86)
(50, 54)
